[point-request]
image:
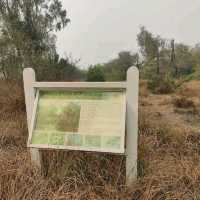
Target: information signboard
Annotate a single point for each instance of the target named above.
(83, 116)
(79, 120)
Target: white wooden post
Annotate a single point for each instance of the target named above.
(29, 80)
(132, 125)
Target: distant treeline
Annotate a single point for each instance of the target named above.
(157, 57)
(27, 39)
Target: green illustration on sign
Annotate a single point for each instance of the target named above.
(86, 120)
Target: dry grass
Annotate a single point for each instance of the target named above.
(187, 100)
(11, 97)
(190, 89)
(169, 163)
(183, 102)
(143, 88)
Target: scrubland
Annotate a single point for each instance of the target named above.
(168, 165)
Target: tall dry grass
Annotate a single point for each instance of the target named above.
(187, 101)
(169, 163)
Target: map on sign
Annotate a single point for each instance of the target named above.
(80, 120)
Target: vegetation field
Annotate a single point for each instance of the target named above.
(169, 112)
(168, 165)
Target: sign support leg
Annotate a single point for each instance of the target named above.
(29, 79)
(132, 125)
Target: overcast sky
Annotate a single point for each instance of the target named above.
(99, 29)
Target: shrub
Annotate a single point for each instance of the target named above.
(185, 105)
(162, 85)
(183, 102)
(96, 73)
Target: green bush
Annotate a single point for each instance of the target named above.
(96, 74)
(162, 85)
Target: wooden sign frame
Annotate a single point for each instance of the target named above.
(132, 92)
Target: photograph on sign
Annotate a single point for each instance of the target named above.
(79, 120)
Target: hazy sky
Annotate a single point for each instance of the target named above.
(99, 29)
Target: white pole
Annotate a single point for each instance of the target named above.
(29, 80)
(132, 125)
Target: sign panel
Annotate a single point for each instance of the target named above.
(79, 120)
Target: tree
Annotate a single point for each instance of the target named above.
(126, 60)
(150, 46)
(116, 69)
(28, 27)
(184, 59)
(196, 55)
(173, 57)
(95, 74)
